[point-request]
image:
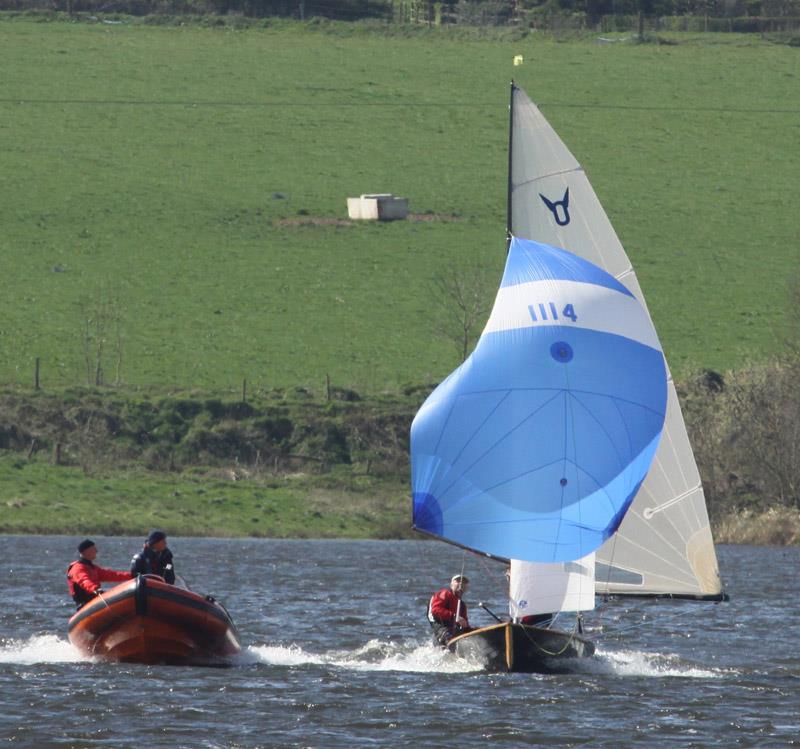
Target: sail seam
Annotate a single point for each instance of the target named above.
(545, 176)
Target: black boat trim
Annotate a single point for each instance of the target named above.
(201, 605)
(141, 595)
(99, 603)
(142, 592)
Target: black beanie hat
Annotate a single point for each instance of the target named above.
(156, 536)
(85, 544)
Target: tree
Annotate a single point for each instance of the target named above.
(462, 305)
(101, 329)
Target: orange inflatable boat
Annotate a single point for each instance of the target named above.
(146, 620)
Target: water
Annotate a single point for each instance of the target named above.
(336, 654)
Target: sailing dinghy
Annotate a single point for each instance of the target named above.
(559, 444)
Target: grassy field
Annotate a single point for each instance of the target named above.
(38, 498)
(197, 176)
(193, 180)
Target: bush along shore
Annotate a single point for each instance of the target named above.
(292, 464)
(283, 465)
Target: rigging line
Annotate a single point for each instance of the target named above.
(542, 649)
(458, 606)
(646, 621)
(494, 577)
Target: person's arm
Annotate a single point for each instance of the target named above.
(82, 579)
(112, 576)
(169, 569)
(137, 565)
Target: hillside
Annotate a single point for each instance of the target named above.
(174, 231)
(179, 193)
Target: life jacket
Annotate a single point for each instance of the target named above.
(149, 562)
(79, 594)
(447, 600)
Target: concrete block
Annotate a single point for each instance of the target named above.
(377, 207)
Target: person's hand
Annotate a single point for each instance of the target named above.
(461, 621)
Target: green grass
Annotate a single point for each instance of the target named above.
(39, 498)
(178, 170)
(155, 164)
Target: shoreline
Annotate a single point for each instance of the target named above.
(771, 528)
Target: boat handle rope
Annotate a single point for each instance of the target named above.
(556, 653)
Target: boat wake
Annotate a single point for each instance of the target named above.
(39, 649)
(636, 663)
(376, 655)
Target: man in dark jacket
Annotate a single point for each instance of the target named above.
(154, 558)
(84, 576)
(447, 613)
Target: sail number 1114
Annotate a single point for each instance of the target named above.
(548, 311)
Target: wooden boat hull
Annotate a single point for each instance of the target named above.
(146, 620)
(518, 647)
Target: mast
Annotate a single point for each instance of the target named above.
(510, 145)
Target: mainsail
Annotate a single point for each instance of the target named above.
(664, 545)
(534, 448)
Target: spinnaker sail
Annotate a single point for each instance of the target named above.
(534, 448)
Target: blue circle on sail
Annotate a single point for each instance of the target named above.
(561, 351)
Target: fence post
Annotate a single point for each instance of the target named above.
(328, 386)
(36, 375)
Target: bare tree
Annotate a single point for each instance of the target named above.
(462, 304)
(101, 329)
(765, 429)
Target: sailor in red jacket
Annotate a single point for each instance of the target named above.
(84, 576)
(447, 613)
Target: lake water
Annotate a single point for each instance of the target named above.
(337, 654)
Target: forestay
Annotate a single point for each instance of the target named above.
(664, 545)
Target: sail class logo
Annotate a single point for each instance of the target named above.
(559, 208)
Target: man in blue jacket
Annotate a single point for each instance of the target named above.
(154, 558)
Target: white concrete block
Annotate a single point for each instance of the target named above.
(377, 206)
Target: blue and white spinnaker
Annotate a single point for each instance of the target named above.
(534, 448)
